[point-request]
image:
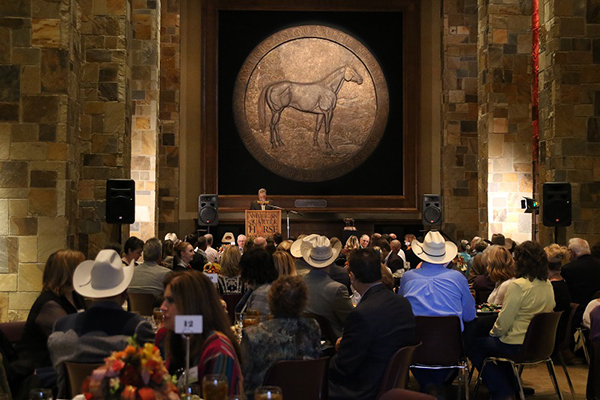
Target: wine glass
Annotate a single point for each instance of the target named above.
(40, 394)
(268, 393)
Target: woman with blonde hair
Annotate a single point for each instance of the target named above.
(284, 263)
(230, 281)
(286, 246)
(501, 270)
(351, 244)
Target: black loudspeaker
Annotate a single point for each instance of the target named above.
(120, 201)
(208, 210)
(432, 209)
(556, 204)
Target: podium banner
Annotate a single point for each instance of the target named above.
(263, 223)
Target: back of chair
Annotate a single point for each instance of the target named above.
(299, 379)
(231, 300)
(326, 329)
(441, 339)
(142, 303)
(397, 370)
(77, 372)
(566, 336)
(539, 339)
(13, 330)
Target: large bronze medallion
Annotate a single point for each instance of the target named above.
(310, 103)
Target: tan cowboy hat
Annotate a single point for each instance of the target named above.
(297, 245)
(228, 238)
(434, 249)
(318, 252)
(106, 276)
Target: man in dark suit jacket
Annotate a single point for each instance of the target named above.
(381, 323)
(391, 259)
(582, 274)
(262, 196)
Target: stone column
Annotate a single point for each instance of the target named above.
(504, 128)
(459, 116)
(170, 70)
(570, 111)
(39, 106)
(145, 95)
(106, 115)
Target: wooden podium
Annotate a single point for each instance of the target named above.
(263, 223)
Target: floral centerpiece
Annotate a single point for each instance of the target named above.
(134, 373)
(460, 263)
(212, 268)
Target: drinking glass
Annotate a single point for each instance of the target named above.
(214, 387)
(158, 316)
(268, 393)
(251, 317)
(192, 392)
(40, 394)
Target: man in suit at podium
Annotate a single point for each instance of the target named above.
(262, 202)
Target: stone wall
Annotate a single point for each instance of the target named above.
(145, 94)
(505, 129)
(168, 158)
(459, 119)
(39, 107)
(106, 115)
(570, 111)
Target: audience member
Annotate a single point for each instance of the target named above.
(200, 257)
(230, 280)
(326, 297)
(557, 257)
(592, 384)
(284, 263)
(271, 246)
(241, 240)
(286, 245)
(91, 336)
(500, 240)
(582, 274)
(351, 244)
(277, 239)
(380, 324)
(464, 249)
(501, 270)
(596, 251)
(260, 242)
(302, 267)
(286, 337)
(397, 248)
(391, 259)
(435, 290)
(365, 240)
(149, 276)
(530, 294)
(56, 300)
(212, 255)
(132, 250)
(411, 258)
(477, 264)
(172, 236)
(167, 254)
(258, 272)
(184, 253)
(474, 241)
(215, 350)
(336, 271)
(114, 246)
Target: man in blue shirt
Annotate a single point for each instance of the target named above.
(434, 290)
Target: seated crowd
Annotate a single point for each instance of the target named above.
(366, 291)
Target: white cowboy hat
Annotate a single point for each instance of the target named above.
(434, 249)
(228, 238)
(297, 245)
(106, 276)
(318, 252)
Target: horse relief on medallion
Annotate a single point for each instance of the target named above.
(310, 103)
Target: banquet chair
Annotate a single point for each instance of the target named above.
(442, 347)
(396, 373)
(299, 379)
(326, 329)
(76, 375)
(231, 300)
(142, 303)
(537, 347)
(13, 330)
(565, 345)
(403, 394)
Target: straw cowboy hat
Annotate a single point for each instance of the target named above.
(228, 238)
(434, 249)
(106, 276)
(297, 245)
(318, 252)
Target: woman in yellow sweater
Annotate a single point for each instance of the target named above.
(529, 294)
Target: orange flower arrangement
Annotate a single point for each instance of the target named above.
(212, 268)
(134, 373)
